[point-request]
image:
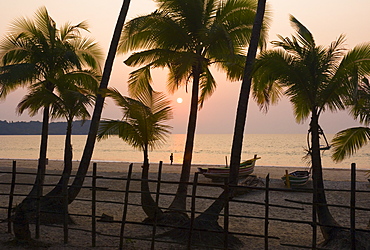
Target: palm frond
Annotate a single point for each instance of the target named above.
(36, 100)
(270, 74)
(140, 81)
(305, 36)
(346, 142)
(142, 124)
(122, 129)
(156, 30)
(207, 86)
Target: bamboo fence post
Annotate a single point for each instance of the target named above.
(93, 205)
(226, 213)
(192, 209)
(38, 206)
(267, 204)
(125, 205)
(159, 178)
(287, 180)
(11, 196)
(65, 206)
(314, 217)
(353, 206)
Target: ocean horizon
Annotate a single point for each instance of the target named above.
(209, 149)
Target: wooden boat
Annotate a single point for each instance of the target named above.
(245, 168)
(297, 177)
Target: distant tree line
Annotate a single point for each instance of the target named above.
(34, 128)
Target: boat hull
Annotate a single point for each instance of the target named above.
(297, 178)
(224, 173)
(245, 168)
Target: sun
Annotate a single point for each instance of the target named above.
(179, 100)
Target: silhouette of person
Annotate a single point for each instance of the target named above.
(171, 158)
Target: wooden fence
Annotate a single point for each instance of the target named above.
(195, 184)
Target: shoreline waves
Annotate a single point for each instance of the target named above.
(209, 149)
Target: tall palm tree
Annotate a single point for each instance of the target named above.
(188, 37)
(142, 126)
(346, 142)
(36, 53)
(99, 103)
(315, 79)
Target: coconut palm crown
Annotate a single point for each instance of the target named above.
(142, 125)
(37, 52)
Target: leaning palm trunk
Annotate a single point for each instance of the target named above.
(326, 219)
(179, 202)
(67, 170)
(41, 169)
(149, 206)
(52, 203)
(241, 113)
(91, 138)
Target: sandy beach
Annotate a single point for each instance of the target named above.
(287, 233)
(330, 174)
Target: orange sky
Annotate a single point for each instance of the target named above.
(325, 19)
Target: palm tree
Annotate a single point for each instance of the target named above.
(142, 126)
(71, 101)
(83, 167)
(315, 79)
(346, 142)
(36, 54)
(188, 37)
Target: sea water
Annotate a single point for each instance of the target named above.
(274, 149)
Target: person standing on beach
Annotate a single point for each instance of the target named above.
(171, 158)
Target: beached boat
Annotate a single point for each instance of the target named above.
(245, 168)
(298, 177)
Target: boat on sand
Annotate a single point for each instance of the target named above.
(246, 168)
(298, 177)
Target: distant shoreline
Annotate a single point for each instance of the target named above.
(35, 128)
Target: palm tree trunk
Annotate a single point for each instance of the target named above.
(179, 202)
(90, 142)
(52, 202)
(23, 212)
(241, 114)
(149, 206)
(323, 213)
(68, 155)
(41, 169)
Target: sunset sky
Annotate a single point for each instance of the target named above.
(325, 19)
